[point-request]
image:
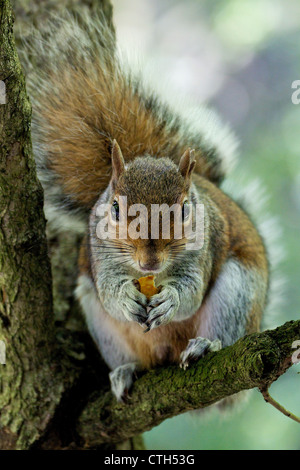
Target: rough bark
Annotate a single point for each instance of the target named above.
(54, 390)
(31, 382)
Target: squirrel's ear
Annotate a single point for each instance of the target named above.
(187, 163)
(117, 161)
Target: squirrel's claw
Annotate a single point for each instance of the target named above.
(121, 380)
(133, 303)
(163, 307)
(196, 348)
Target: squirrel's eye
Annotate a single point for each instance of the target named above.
(186, 210)
(115, 211)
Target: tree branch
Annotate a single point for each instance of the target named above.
(254, 361)
(267, 397)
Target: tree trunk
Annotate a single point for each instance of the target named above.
(30, 382)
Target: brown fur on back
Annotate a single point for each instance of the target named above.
(87, 112)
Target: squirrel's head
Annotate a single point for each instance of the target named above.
(150, 205)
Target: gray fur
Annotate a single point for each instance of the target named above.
(229, 304)
(114, 351)
(252, 195)
(226, 310)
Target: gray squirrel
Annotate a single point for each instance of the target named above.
(101, 136)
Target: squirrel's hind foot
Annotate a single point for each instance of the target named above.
(121, 379)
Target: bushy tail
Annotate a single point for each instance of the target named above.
(83, 97)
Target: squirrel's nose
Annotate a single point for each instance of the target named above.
(149, 267)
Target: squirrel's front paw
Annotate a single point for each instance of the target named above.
(163, 307)
(196, 348)
(133, 303)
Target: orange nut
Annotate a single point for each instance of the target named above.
(147, 286)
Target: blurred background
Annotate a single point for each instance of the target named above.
(239, 57)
